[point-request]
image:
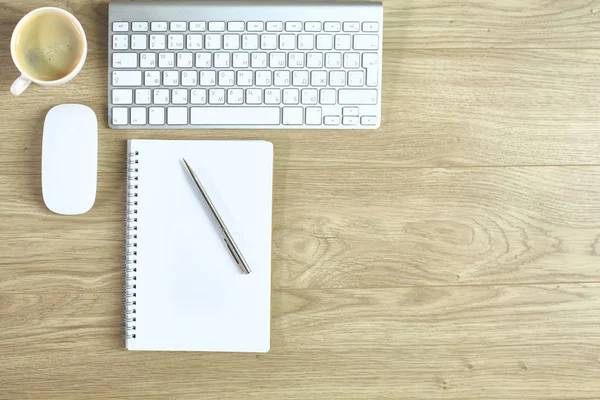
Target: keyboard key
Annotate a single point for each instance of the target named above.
(139, 42)
(259, 60)
(235, 26)
(234, 115)
(178, 26)
(314, 60)
(245, 78)
(357, 96)
(216, 26)
(287, 42)
(124, 60)
(157, 42)
(370, 26)
(147, 60)
(291, 96)
(177, 116)
(139, 26)
(175, 42)
(253, 96)
(277, 60)
(221, 60)
(152, 78)
(337, 78)
(331, 120)
(166, 60)
(250, 42)
(274, 26)
(318, 78)
(333, 60)
(296, 60)
(119, 116)
(272, 96)
(120, 42)
(197, 26)
(231, 42)
(142, 96)
(263, 78)
(208, 78)
(293, 26)
(194, 42)
(342, 42)
(370, 62)
(120, 26)
(189, 78)
(300, 78)
(332, 27)
(306, 42)
(156, 115)
(268, 42)
(351, 27)
(324, 42)
(235, 96)
(241, 60)
(226, 78)
(293, 115)
(282, 78)
(203, 60)
(138, 116)
(350, 111)
(171, 78)
(313, 115)
(356, 78)
(162, 96)
(309, 96)
(328, 96)
(312, 26)
(179, 96)
(366, 42)
(212, 42)
(122, 96)
(255, 26)
(198, 96)
(127, 78)
(350, 120)
(368, 120)
(351, 60)
(158, 27)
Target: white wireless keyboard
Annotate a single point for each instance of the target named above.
(245, 65)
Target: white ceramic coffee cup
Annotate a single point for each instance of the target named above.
(25, 79)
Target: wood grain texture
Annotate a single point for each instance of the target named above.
(347, 228)
(412, 343)
(451, 254)
(441, 108)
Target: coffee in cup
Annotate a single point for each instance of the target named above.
(48, 46)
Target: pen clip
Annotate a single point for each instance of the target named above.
(239, 264)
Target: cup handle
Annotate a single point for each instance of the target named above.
(19, 85)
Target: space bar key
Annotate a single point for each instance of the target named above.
(234, 115)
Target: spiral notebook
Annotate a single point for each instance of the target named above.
(184, 291)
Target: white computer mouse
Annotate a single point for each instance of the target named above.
(70, 159)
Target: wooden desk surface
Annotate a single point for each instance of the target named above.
(452, 254)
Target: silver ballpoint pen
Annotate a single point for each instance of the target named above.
(229, 242)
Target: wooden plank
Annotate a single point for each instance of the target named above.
(521, 24)
(410, 24)
(414, 343)
(442, 108)
(341, 228)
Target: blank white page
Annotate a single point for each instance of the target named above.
(190, 294)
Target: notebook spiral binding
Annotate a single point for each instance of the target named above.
(131, 255)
